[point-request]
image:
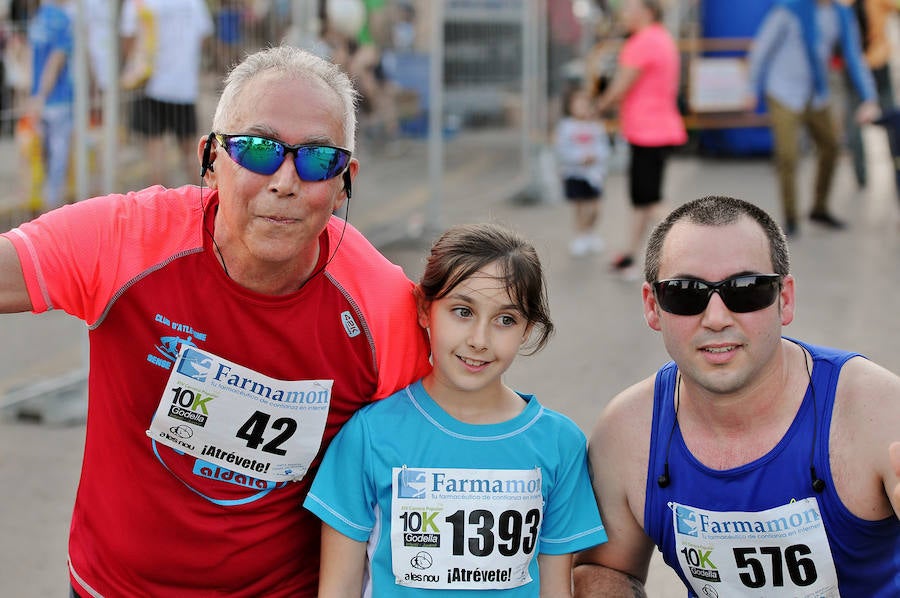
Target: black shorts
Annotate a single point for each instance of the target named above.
(645, 174)
(152, 117)
(578, 189)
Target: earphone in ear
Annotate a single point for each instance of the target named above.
(206, 163)
(347, 183)
(818, 483)
(664, 480)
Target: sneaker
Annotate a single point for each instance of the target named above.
(595, 244)
(622, 262)
(625, 268)
(790, 228)
(826, 219)
(579, 246)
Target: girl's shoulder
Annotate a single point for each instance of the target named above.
(400, 400)
(556, 423)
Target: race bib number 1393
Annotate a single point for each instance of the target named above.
(465, 529)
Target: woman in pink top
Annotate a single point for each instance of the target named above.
(646, 84)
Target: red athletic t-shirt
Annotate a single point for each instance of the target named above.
(140, 271)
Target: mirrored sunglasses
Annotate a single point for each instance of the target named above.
(740, 294)
(263, 155)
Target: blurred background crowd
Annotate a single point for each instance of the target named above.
(496, 68)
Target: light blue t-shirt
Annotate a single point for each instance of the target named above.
(49, 30)
(465, 501)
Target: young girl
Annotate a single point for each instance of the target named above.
(582, 151)
(457, 484)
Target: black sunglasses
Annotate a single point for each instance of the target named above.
(741, 294)
(263, 155)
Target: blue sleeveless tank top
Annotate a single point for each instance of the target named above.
(866, 554)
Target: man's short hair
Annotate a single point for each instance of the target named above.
(717, 210)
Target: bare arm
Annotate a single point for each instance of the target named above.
(51, 72)
(597, 580)
(556, 575)
(126, 45)
(624, 78)
(13, 294)
(865, 424)
(343, 565)
(49, 75)
(618, 451)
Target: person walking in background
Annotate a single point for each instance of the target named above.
(564, 36)
(16, 65)
(582, 152)
(872, 17)
(788, 65)
(646, 84)
(100, 29)
(233, 330)
(168, 99)
(379, 119)
(759, 465)
(502, 481)
(229, 17)
(50, 35)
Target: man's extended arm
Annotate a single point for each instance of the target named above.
(597, 580)
(13, 294)
(618, 451)
(865, 423)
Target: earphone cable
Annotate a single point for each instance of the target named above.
(818, 484)
(664, 480)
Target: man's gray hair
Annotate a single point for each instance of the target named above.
(291, 62)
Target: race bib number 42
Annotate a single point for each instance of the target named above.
(237, 418)
(464, 529)
(777, 553)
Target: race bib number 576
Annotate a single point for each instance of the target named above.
(778, 553)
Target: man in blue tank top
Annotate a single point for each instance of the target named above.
(759, 465)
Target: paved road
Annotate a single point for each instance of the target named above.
(846, 285)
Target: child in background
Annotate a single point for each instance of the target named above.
(582, 150)
(457, 484)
